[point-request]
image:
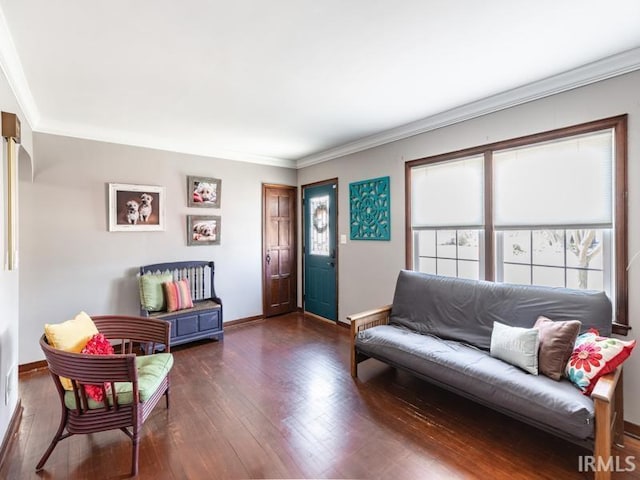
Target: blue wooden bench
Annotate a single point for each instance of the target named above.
(204, 320)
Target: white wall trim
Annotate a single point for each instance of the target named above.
(12, 69)
(603, 69)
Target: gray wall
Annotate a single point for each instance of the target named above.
(9, 280)
(70, 262)
(367, 270)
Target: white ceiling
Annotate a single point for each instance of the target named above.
(281, 81)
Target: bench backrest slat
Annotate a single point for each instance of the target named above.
(198, 274)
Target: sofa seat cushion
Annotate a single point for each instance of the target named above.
(151, 371)
(473, 373)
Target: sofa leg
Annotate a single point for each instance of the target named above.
(354, 364)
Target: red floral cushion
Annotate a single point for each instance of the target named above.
(97, 345)
(594, 356)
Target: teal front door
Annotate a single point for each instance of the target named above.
(320, 218)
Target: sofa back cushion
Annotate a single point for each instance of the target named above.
(464, 310)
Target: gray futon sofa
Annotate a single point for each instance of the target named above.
(439, 328)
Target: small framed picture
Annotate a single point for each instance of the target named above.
(203, 230)
(204, 192)
(136, 208)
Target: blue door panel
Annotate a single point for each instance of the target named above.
(320, 222)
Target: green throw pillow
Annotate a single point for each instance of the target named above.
(151, 293)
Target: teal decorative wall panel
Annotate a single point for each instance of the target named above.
(370, 209)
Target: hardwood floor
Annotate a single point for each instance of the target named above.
(275, 400)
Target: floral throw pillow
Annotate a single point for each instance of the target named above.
(594, 356)
(97, 345)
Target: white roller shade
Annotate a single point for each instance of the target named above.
(567, 182)
(448, 194)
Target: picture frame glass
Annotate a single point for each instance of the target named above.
(203, 230)
(204, 192)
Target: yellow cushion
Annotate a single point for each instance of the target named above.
(71, 336)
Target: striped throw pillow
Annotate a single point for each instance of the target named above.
(177, 295)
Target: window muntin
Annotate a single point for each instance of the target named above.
(571, 258)
(454, 253)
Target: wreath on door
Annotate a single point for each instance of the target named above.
(320, 218)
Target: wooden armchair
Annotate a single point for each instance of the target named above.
(132, 385)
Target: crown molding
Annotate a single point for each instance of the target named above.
(12, 68)
(133, 140)
(597, 71)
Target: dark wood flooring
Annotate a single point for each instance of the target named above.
(275, 400)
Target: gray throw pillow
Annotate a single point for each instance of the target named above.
(516, 346)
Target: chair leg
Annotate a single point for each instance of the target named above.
(166, 397)
(135, 438)
(56, 438)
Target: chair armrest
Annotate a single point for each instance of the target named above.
(362, 321)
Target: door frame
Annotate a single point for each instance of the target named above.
(330, 181)
(294, 243)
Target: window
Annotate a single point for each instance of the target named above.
(547, 209)
(447, 215)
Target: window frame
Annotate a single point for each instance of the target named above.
(620, 319)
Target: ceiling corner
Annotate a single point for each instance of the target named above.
(12, 69)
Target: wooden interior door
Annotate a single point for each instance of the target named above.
(279, 263)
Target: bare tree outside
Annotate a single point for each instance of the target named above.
(582, 243)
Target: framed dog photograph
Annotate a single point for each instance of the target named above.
(136, 208)
(203, 230)
(203, 192)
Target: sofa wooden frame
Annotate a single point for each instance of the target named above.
(607, 395)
